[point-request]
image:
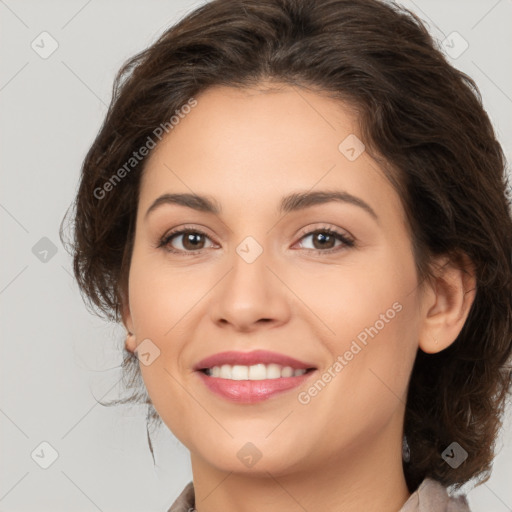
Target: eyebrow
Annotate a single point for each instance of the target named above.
(291, 203)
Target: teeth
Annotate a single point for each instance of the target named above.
(239, 372)
(254, 372)
(257, 372)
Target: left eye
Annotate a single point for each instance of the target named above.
(323, 239)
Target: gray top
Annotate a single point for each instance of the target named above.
(430, 496)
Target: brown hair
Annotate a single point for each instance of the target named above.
(418, 115)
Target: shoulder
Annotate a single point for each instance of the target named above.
(185, 502)
(432, 496)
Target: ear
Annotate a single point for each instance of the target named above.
(126, 315)
(447, 301)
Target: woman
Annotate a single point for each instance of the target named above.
(298, 210)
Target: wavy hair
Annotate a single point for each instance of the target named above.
(418, 116)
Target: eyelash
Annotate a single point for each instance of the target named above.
(165, 241)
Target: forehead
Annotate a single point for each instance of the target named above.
(251, 146)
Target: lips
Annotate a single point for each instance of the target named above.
(244, 391)
(251, 358)
(252, 391)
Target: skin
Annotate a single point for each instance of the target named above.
(342, 450)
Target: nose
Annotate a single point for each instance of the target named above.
(250, 296)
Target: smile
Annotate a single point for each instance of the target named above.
(250, 377)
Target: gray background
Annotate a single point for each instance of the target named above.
(56, 357)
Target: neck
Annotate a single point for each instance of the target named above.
(367, 477)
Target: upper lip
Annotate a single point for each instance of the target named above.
(251, 358)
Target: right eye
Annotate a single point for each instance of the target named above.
(192, 240)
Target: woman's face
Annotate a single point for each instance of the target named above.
(263, 274)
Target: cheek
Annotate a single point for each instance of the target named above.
(163, 302)
(160, 295)
(368, 379)
(372, 314)
(377, 339)
(359, 297)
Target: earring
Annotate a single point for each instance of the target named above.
(126, 344)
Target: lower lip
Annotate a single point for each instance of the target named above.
(251, 391)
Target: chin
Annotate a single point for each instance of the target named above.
(257, 457)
